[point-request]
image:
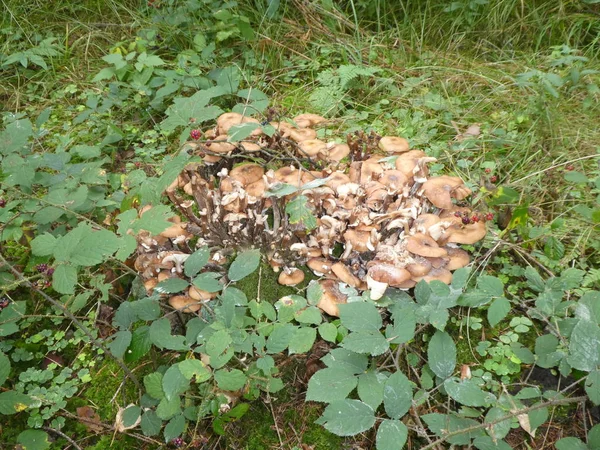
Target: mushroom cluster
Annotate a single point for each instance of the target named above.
(381, 220)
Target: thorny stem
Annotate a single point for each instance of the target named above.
(76, 321)
(62, 435)
(557, 402)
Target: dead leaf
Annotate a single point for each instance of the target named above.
(119, 425)
(465, 372)
(524, 422)
(90, 419)
(474, 130)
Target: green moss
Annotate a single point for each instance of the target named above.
(263, 282)
(100, 391)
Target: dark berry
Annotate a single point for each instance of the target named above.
(474, 219)
(195, 134)
(3, 303)
(177, 442)
(489, 216)
(50, 271)
(493, 178)
(457, 214)
(41, 268)
(137, 164)
(2, 203)
(466, 220)
(488, 170)
(570, 167)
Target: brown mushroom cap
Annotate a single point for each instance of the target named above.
(222, 146)
(359, 239)
(393, 144)
(441, 274)
(312, 147)
(184, 303)
(419, 267)
(344, 274)
(457, 258)
(320, 266)
(387, 273)
(199, 295)
(467, 234)
(256, 189)
(250, 146)
(290, 277)
(422, 245)
(227, 120)
(308, 120)
(440, 190)
(150, 284)
(370, 170)
(337, 179)
(394, 180)
(336, 152)
(302, 134)
(331, 297)
(247, 173)
(176, 230)
(289, 175)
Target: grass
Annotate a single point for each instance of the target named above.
(439, 72)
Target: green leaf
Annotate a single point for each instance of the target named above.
(160, 335)
(151, 424)
(121, 341)
(15, 136)
(194, 368)
(196, 262)
(171, 286)
(280, 337)
(217, 343)
(174, 383)
(499, 430)
(241, 131)
(328, 331)
(299, 212)
(174, 428)
(372, 342)
(576, 177)
(442, 354)
(195, 108)
(4, 368)
(311, 315)
(43, 245)
(345, 359)
(314, 292)
(487, 443)
(347, 417)
(397, 395)
(153, 384)
(498, 311)
(33, 440)
(467, 392)
(584, 345)
(168, 408)
(12, 402)
(442, 424)
(245, 263)
(302, 340)
(230, 380)
(153, 220)
(593, 438)
(370, 388)
(207, 282)
(130, 415)
(592, 386)
(570, 443)
(360, 316)
(403, 328)
(64, 279)
(331, 384)
(391, 435)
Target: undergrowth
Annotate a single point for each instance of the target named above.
(503, 94)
